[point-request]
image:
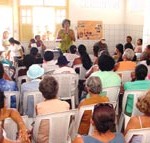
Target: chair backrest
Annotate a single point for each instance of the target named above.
(58, 126)
(68, 86)
(82, 71)
(11, 128)
(31, 97)
(136, 94)
(12, 97)
(20, 80)
(17, 71)
(143, 135)
(125, 75)
(112, 92)
(79, 115)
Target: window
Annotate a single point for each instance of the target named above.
(44, 16)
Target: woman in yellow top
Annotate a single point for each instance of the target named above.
(12, 113)
(65, 36)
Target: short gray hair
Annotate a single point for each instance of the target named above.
(129, 54)
(94, 84)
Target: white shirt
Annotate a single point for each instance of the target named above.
(64, 70)
(14, 50)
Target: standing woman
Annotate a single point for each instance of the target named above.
(15, 50)
(66, 36)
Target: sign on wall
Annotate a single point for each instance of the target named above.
(89, 30)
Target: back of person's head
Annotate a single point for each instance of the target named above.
(13, 41)
(73, 49)
(119, 47)
(2, 99)
(1, 70)
(128, 54)
(64, 21)
(49, 87)
(103, 117)
(143, 103)
(86, 61)
(106, 63)
(94, 85)
(96, 50)
(128, 46)
(141, 72)
(48, 56)
(28, 61)
(81, 49)
(34, 51)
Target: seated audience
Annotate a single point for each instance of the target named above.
(6, 85)
(141, 121)
(139, 84)
(48, 63)
(103, 120)
(118, 53)
(138, 48)
(12, 113)
(63, 66)
(49, 89)
(94, 88)
(108, 77)
(127, 63)
(34, 73)
(146, 53)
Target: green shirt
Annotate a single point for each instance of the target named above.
(108, 78)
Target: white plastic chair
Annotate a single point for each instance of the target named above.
(59, 124)
(144, 133)
(125, 75)
(20, 80)
(9, 95)
(79, 115)
(17, 71)
(136, 94)
(82, 71)
(37, 98)
(11, 128)
(68, 86)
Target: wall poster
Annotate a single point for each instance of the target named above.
(89, 30)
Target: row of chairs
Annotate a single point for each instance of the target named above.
(67, 129)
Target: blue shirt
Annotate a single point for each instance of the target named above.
(6, 85)
(117, 139)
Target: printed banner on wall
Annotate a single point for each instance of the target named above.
(89, 30)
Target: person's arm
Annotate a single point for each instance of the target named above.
(78, 140)
(72, 35)
(132, 124)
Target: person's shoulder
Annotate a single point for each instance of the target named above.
(78, 139)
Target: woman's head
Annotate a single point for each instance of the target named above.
(139, 41)
(119, 48)
(1, 70)
(2, 100)
(143, 103)
(73, 49)
(48, 56)
(128, 54)
(66, 22)
(81, 49)
(94, 85)
(103, 117)
(49, 87)
(5, 35)
(106, 63)
(141, 72)
(13, 41)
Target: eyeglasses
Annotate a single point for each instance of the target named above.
(103, 105)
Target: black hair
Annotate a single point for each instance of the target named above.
(12, 40)
(86, 61)
(2, 99)
(96, 50)
(128, 45)
(28, 61)
(120, 48)
(106, 63)
(33, 51)
(104, 117)
(48, 56)
(73, 49)
(141, 72)
(64, 21)
(1, 70)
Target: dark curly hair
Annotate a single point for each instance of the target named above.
(64, 21)
(49, 87)
(106, 63)
(103, 117)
